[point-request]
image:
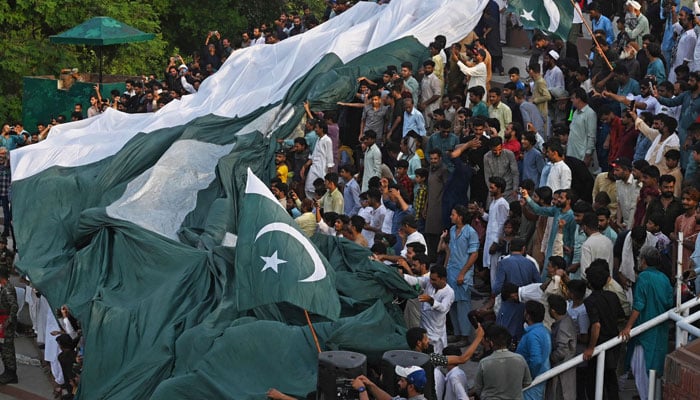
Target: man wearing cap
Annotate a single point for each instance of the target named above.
(684, 45)
(642, 28)
(412, 381)
(642, 102)
(553, 75)
(437, 298)
(627, 192)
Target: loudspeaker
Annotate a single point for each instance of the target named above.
(406, 358)
(336, 370)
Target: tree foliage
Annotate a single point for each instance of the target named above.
(27, 25)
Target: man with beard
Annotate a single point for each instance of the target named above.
(436, 298)
(627, 192)
(412, 383)
(417, 340)
(685, 44)
(510, 138)
(258, 37)
(560, 209)
(445, 141)
(690, 105)
(501, 163)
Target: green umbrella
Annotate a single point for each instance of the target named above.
(99, 32)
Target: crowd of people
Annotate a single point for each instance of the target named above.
(564, 197)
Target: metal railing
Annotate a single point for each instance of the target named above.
(679, 314)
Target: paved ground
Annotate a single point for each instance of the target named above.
(34, 382)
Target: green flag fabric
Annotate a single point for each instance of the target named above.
(275, 261)
(553, 16)
(186, 286)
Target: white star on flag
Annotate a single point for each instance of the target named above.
(272, 262)
(528, 15)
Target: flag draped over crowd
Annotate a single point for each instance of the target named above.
(188, 278)
(553, 16)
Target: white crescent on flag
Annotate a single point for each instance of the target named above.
(255, 186)
(554, 15)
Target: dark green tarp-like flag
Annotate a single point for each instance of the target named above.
(175, 311)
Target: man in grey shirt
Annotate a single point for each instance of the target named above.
(529, 111)
(503, 374)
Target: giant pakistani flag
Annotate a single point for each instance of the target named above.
(553, 16)
(190, 281)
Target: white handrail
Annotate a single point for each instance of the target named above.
(635, 332)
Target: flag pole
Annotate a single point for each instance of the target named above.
(313, 331)
(602, 53)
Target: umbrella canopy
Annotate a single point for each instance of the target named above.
(101, 31)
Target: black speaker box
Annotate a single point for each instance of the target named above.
(336, 370)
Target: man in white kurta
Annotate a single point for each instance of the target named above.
(559, 174)
(437, 298)
(496, 217)
(321, 159)
(372, 161)
(685, 47)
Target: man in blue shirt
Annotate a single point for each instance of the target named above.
(535, 347)
(601, 22)
(515, 268)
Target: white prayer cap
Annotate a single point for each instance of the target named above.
(554, 54)
(634, 4)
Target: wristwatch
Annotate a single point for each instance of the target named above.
(361, 389)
